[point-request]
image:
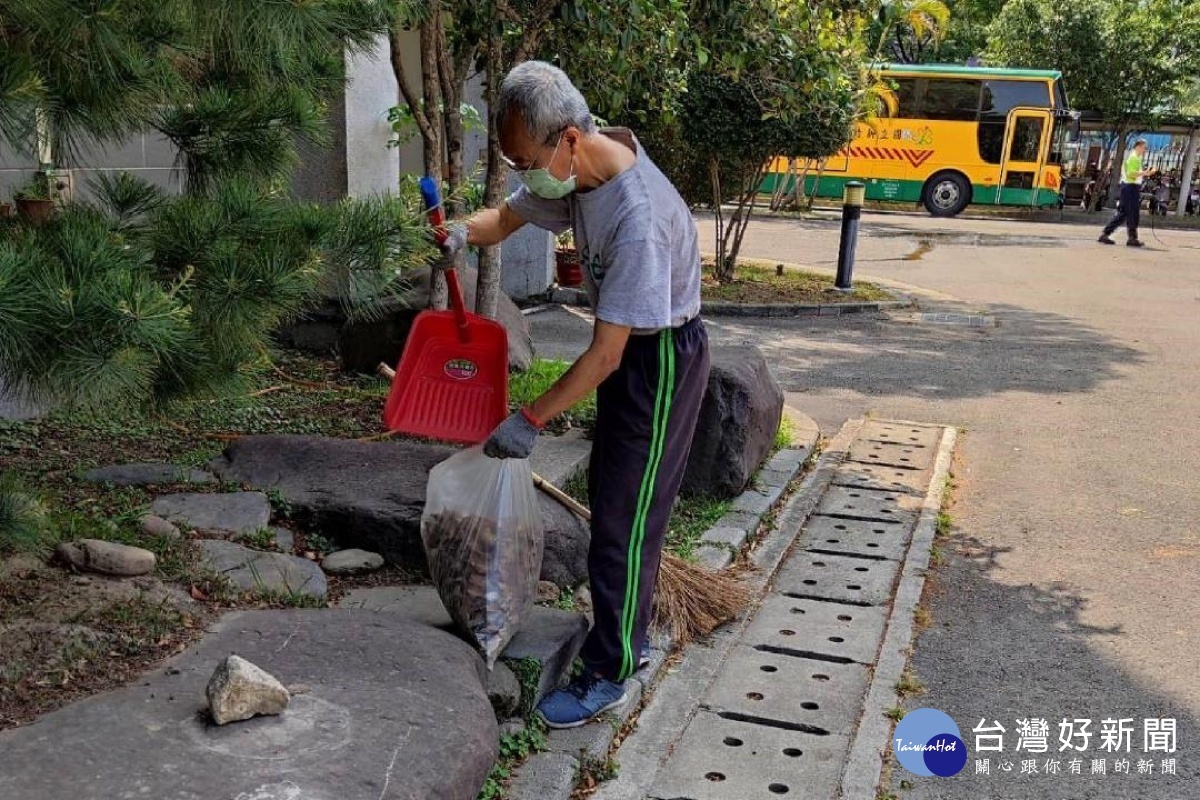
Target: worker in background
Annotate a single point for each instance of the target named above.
(1129, 203)
(648, 359)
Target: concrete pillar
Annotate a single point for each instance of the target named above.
(1189, 166)
(371, 166)
(528, 260)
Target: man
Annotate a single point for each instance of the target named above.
(648, 359)
(1129, 203)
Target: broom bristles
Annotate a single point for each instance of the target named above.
(691, 601)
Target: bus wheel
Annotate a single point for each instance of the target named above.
(946, 194)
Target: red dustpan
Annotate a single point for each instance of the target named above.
(452, 380)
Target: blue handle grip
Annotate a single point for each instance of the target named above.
(429, 192)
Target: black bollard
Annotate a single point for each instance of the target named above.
(852, 201)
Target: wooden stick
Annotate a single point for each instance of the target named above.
(384, 371)
(558, 494)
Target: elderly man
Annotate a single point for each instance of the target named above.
(648, 359)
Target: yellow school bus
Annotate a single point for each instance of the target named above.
(953, 136)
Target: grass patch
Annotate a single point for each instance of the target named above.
(909, 686)
(785, 435)
(895, 713)
(760, 282)
(525, 387)
(690, 518)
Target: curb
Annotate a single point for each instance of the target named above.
(712, 308)
(548, 775)
(864, 765)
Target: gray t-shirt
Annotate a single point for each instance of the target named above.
(636, 240)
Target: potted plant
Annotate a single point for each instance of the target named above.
(567, 266)
(35, 201)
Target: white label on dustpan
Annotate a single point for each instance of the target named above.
(461, 369)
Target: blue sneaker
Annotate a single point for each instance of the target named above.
(582, 700)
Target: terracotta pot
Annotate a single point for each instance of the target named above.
(35, 211)
(567, 268)
(6, 210)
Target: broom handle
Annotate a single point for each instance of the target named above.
(558, 494)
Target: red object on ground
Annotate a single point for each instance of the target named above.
(452, 379)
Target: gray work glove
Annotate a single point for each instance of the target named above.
(456, 241)
(513, 438)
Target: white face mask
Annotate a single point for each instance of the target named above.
(543, 184)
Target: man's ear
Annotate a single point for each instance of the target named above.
(571, 138)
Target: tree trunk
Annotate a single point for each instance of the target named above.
(714, 173)
(741, 222)
(1118, 160)
(817, 183)
(487, 295)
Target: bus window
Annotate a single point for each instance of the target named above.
(990, 134)
(908, 100)
(1000, 97)
(951, 99)
(1026, 139)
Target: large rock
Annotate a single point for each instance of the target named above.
(107, 558)
(738, 422)
(232, 512)
(259, 571)
(564, 559)
(391, 711)
(364, 494)
(363, 344)
(351, 562)
(239, 690)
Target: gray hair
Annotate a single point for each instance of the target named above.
(544, 98)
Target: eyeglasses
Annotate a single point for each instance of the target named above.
(518, 168)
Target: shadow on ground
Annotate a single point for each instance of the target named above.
(1025, 351)
(958, 658)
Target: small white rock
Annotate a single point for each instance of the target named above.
(240, 690)
(107, 558)
(351, 562)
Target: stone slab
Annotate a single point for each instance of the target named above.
(740, 519)
(794, 690)
(856, 537)
(726, 759)
(728, 537)
(371, 721)
(545, 776)
(552, 637)
(756, 501)
(893, 508)
(876, 476)
(787, 459)
(891, 455)
(837, 578)
(147, 474)
(905, 433)
(230, 512)
(419, 604)
(811, 626)
(774, 477)
(713, 557)
(560, 458)
(259, 571)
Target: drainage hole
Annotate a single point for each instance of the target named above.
(820, 677)
(849, 506)
(810, 582)
(715, 777)
(818, 563)
(878, 530)
(888, 511)
(836, 639)
(778, 788)
(862, 569)
(904, 459)
(854, 587)
(845, 617)
(855, 494)
(769, 668)
(840, 527)
(809, 706)
(753, 696)
(733, 741)
(792, 752)
(834, 541)
(798, 611)
(872, 544)
(786, 632)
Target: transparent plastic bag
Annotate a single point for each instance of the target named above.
(482, 531)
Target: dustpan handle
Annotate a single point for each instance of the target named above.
(437, 219)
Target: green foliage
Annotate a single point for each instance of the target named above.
(531, 739)
(23, 523)
(261, 539)
(1128, 59)
(783, 436)
(140, 299)
(908, 30)
(528, 672)
(690, 518)
(404, 123)
(525, 387)
(36, 188)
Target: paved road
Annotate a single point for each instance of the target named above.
(1068, 588)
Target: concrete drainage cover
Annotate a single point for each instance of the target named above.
(890, 479)
(892, 455)
(853, 537)
(815, 629)
(947, 318)
(731, 759)
(853, 581)
(893, 508)
(912, 434)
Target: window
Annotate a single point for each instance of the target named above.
(1026, 139)
(991, 139)
(1000, 97)
(908, 101)
(951, 99)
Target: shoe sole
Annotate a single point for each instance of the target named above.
(562, 726)
(1101, 241)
